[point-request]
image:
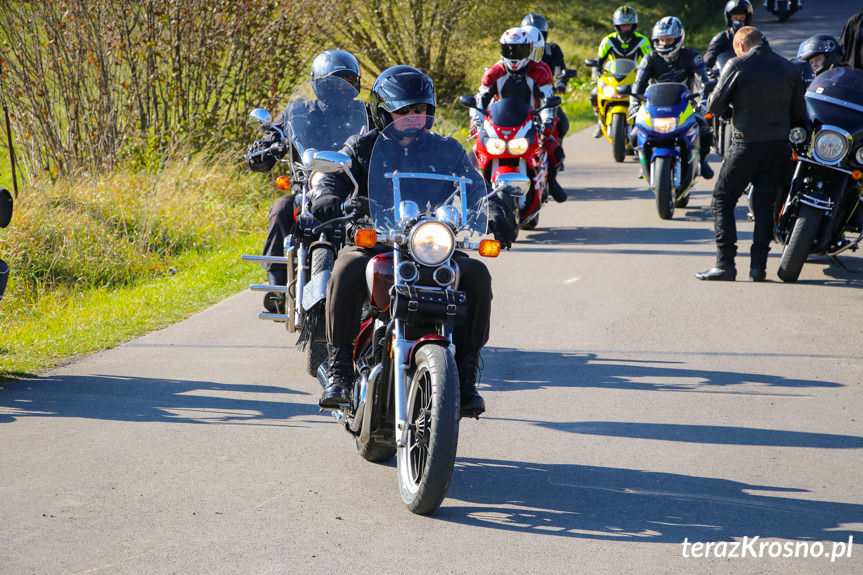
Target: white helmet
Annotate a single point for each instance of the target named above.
(668, 26)
(538, 42)
(515, 50)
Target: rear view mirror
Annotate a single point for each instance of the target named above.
(5, 207)
(468, 101)
(330, 162)
(261, 116)
(592, 63)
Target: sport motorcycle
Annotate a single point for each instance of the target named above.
(613, 86)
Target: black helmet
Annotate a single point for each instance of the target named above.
(337, 63)
(398, 87)
(738, 7)
(537, 21)
(668, 26)
(821, 44)
(625, 15)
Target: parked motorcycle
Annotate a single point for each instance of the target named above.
(321, 115)
(6, 205)
(668, 144)
(510, 141)
(405, 397)
(783, 9)
(614, 85)
(825, 200)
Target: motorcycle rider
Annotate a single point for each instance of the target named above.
(516, 75)
(738, 13)
(552, 55)
(337, 63)
(404, 95)
(625, 43)
(852, 41)
(822, 51)
(671, 61)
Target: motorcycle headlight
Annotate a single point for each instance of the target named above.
(518, 146)
(608, 91)
(431, 243)
(797, 135)
(495, 146)
(859, 155)
(664, 125)
(829, 146)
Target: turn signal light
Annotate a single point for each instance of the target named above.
(489, 248)
(283, 183)
(365, 238)
(708, 116)
(793, 156)
(857, 175)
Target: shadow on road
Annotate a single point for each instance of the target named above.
(616, 504)
(513, 369)
(598, 235)
(146, 400)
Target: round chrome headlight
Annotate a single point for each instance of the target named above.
(829, 147)
(495, 146)
(797, 135)
(431, 243)
(859, 155)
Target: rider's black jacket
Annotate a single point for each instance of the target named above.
(553, 56)
(722, 42)
(685, 68)
(766, 92)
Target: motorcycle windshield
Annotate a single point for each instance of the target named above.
(509, 112)
(619, 68)
(323, 113)
(666, 94)
(836, 98)
(420, 167)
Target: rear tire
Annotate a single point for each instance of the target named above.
(682, 202)
(663, 191)
(799, 243)
(426, 461)
(532, 223)
(618, 136)
(316, 353)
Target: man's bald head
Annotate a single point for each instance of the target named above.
(746, 38)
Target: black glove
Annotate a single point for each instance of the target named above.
(326, 207)
(499, 222)
(263, 162)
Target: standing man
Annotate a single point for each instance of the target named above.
(765, 92)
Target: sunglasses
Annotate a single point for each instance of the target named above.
(415, 108)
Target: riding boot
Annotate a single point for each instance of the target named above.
(555, 190)
(706, 170)
(274, 302)
(340, 374)
(472, 404)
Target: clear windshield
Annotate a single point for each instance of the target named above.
(322, 114)
(415, 171)
(619, 67)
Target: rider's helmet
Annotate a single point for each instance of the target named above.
(538, 22)
(668, 26)
(622, 16)
(821, 44)
(537, 41)
(401, 86)
(733, 7)
(337, 63)
(515, 50)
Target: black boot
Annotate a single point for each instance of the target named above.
(706, 170)
(555, 190)
(274, 302)
(340, 375)
(472, 404)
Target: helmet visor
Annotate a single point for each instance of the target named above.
(515, 51)
(348, 76)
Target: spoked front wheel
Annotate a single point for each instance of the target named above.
(426, 461)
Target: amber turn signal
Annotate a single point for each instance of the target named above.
(857, 175)
(283, 183)
(489, 248)
(793, 155)
(708, 116)
(365, 238)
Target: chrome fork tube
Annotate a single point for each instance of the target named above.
(401, 349)
(302, 254)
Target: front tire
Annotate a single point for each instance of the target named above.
(663, 191)
(426, 461)
(618, 136)
(799, 243)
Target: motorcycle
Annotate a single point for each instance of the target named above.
(614, 85)
(6, 205)
(510, 141)
(825, 199)
(783, 9)
(668, 144)
(405, 396)
(321, 115)
(721, 125)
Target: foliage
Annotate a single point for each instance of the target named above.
(90, 81)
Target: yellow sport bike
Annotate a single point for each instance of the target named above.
(613, 87)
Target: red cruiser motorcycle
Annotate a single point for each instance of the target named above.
(510, 141)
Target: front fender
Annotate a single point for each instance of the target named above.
(666, 152)
(431, 339)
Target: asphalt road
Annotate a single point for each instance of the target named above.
(631, 408)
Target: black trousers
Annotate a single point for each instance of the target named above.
(765, 165)
(280, 226)
(347, 292)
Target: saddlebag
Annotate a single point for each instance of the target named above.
(426, 305)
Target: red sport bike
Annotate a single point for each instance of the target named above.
(508, 141)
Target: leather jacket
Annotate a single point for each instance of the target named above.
(722, 42)
(765, 92)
